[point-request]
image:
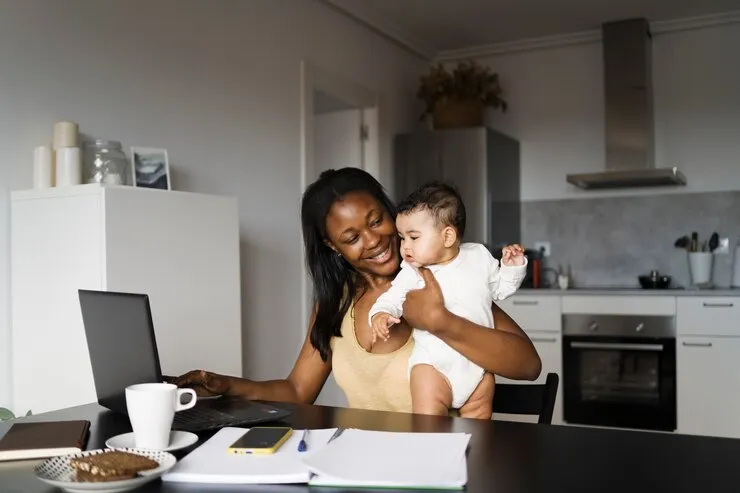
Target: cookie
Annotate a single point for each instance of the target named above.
(112, 465)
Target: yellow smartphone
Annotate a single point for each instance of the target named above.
(260, 441)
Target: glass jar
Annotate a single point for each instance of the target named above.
(106, 163)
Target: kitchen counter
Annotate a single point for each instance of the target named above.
(631, 292)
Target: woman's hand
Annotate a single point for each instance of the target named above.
(204, 383)
(506, 351)
(425, 308)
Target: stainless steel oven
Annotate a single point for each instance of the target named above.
(620, 371)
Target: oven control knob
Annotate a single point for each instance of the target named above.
(593, 326)
(639, 327)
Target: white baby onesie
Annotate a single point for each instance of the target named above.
(469, 283)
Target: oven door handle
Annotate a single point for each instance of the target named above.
(617, 346)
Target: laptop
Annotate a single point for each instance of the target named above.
(123, 351)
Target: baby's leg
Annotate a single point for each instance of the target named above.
(430, 392)
(480, 403)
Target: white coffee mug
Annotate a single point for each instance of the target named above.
(151, 410)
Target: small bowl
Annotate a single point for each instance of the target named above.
(659, 282)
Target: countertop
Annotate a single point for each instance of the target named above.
(718, 292)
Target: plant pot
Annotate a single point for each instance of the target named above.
(457, 114)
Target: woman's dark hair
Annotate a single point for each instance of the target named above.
(334, 279)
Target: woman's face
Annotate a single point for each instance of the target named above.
(361, 230)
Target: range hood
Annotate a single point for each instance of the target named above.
(630, 144)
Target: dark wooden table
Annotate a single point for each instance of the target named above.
(504, 457)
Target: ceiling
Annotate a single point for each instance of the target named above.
(433, 26)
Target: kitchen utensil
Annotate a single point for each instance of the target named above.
(655, 281)
(694, 246)
(683, 242)
(713, 242)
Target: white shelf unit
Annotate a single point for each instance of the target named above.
(181, 249)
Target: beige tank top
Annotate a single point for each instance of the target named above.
(370, 381)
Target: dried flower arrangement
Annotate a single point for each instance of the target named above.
(458, 98)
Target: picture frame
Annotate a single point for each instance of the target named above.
(150, 168)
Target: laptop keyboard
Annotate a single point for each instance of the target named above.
(196, 419)
(201, 418)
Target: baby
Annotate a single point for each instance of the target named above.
(431, 223)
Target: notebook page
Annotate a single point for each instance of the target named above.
(388, 459)
(454, 484)
(211, 462)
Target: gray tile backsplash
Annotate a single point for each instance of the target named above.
(610, 241)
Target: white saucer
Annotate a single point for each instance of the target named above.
(57, 471)
(178, 440)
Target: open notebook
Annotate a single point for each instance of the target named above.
(377, 459)
(356, 458)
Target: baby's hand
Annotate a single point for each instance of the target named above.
(512, 255)
(380, 324)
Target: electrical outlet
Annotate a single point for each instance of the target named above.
(542, 245)
(724, 246)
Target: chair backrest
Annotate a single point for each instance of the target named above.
(536, 399)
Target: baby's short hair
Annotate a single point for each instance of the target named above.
(442, 200)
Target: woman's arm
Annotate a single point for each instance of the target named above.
(302, 385)
(506, 351)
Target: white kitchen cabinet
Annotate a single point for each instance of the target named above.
(534, 312)
(619, 304)
(708, 316)
(182, 249)
(550, 348)
(540, 317)
(708, 383)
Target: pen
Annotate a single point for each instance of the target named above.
(302, 446)
(335, 435)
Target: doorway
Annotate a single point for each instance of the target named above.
(339, 128)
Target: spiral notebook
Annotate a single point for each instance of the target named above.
(356, 458)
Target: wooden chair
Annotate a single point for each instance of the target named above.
(532, 399)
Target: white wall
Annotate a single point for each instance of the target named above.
(217, 83)
(336, 139)
(557, 110)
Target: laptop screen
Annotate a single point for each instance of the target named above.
(121, 343)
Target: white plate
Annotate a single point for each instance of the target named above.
(178, 440)
(56, 471)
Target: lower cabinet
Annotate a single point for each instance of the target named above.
(708, 385)
(549, 347)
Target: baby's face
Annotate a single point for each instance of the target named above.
(422, 241)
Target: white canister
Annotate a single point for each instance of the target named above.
(736, 267)
(700, 268)
(43, 167)
(68, 166)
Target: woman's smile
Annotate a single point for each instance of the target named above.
(382, 256)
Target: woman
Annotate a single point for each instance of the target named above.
(352, 252)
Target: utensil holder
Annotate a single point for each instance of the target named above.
(700, 268)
